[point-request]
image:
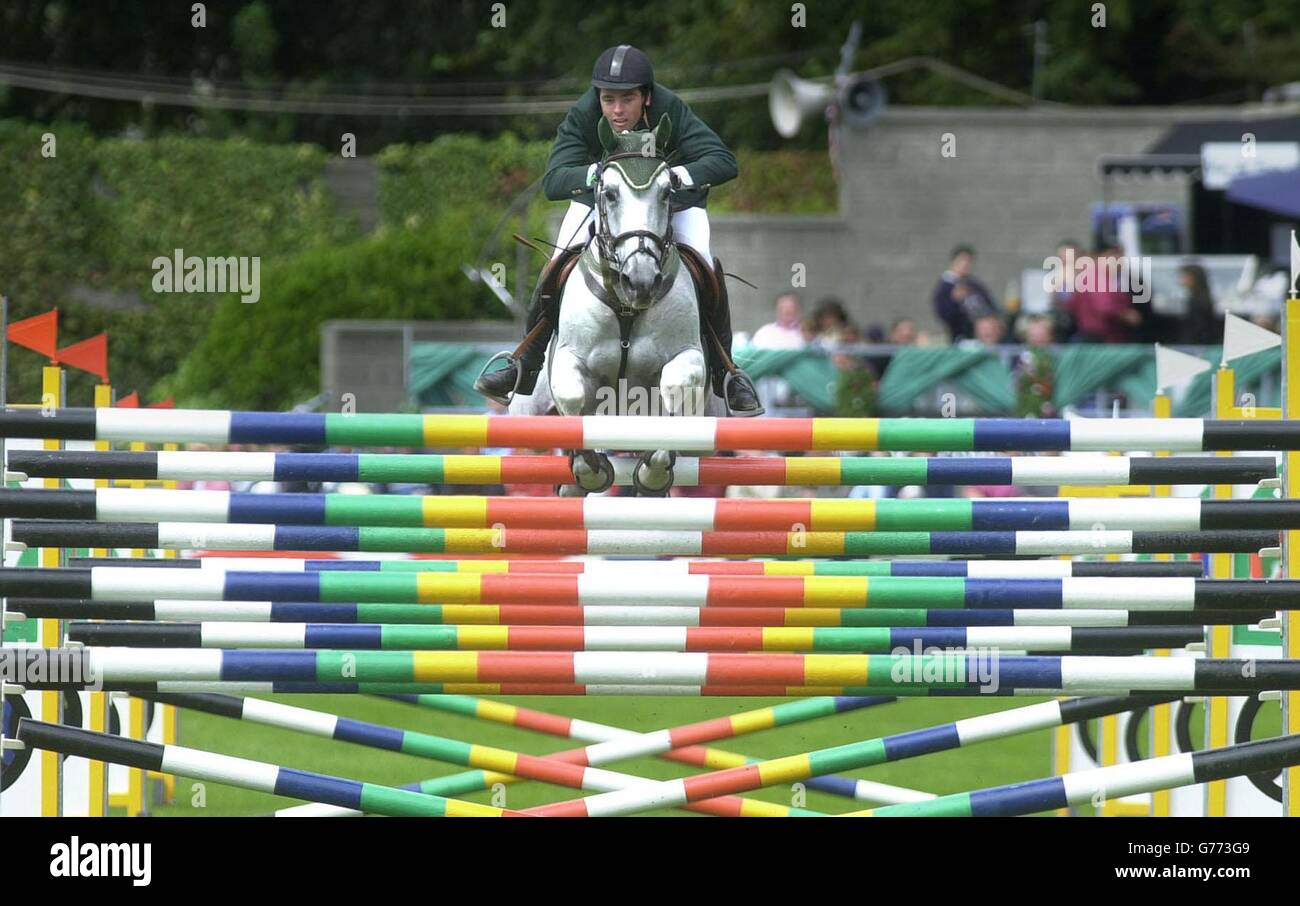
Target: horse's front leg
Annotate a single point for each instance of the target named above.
(682, 383)
(572, 386)
(681, 392)
(573, 390)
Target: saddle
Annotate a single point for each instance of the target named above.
(710, 293)
(707, 280)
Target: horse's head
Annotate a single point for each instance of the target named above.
(633, 217)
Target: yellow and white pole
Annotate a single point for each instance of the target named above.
(1291, 539)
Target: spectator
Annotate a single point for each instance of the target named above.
(903, 333)
(1106, 314)
(990, 330)
(1038, 331)
(832, 322)
(959, 299)
(1200, 324)
(1069, 252)
(786, 332)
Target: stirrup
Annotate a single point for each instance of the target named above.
(519, 375)
(726, 390)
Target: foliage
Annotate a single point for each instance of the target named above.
(266, 355)
(1035, 382)
(420, 183)
(1153, 52)
(89, 222)
(855, 393)
(787, 182)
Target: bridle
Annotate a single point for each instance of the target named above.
(610, 265)
(606, 242)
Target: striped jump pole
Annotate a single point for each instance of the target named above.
(879, 674)
(576, 764)
(650, 514)
(639, 433)
(247, 774)
(348, 613)
(397, 637)
(632, 690)
(256, 538)
(494, 764)
(684, 744)
(688, 471)
(1266, 756)
(975, 569)
(669, 514)
(1187, 595)
(853, 756)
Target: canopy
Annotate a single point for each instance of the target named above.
(1277, 192)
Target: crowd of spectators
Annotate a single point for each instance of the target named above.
(1103, 310)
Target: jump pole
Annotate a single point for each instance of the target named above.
(251, 537)
(883, 673)
(975, 569)
(110, 505)
(942, 592)
(831, 639)
(494, 764)
(640, 433)
(498, 615)
(688, 471)
(248, 774)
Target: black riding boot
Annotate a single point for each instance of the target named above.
(733, 386)
(520, 374)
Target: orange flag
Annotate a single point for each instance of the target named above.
(130, 401)
(39, 333)
(169, 403)
(88, 355)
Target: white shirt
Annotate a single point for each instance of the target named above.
(774, 336)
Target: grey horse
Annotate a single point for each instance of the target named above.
(628, 341)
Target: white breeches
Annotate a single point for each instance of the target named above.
(690, 226)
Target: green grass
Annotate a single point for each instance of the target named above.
(988, 764)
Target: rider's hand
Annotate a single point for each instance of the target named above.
(684, 175)
(591, 175)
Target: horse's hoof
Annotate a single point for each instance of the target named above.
(592, 471)
(659, 461)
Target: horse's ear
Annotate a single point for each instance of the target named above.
(663, 133)
(606, 134)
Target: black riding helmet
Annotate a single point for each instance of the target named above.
(623, 67)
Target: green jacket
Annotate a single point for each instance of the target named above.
(577, 147)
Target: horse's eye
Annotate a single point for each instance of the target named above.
(611, 194)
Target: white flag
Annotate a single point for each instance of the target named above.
(1240, 338)
(1174, 368)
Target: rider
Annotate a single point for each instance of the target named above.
(623, 90)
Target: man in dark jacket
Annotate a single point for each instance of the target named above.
(959, 299)
(624, 92)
